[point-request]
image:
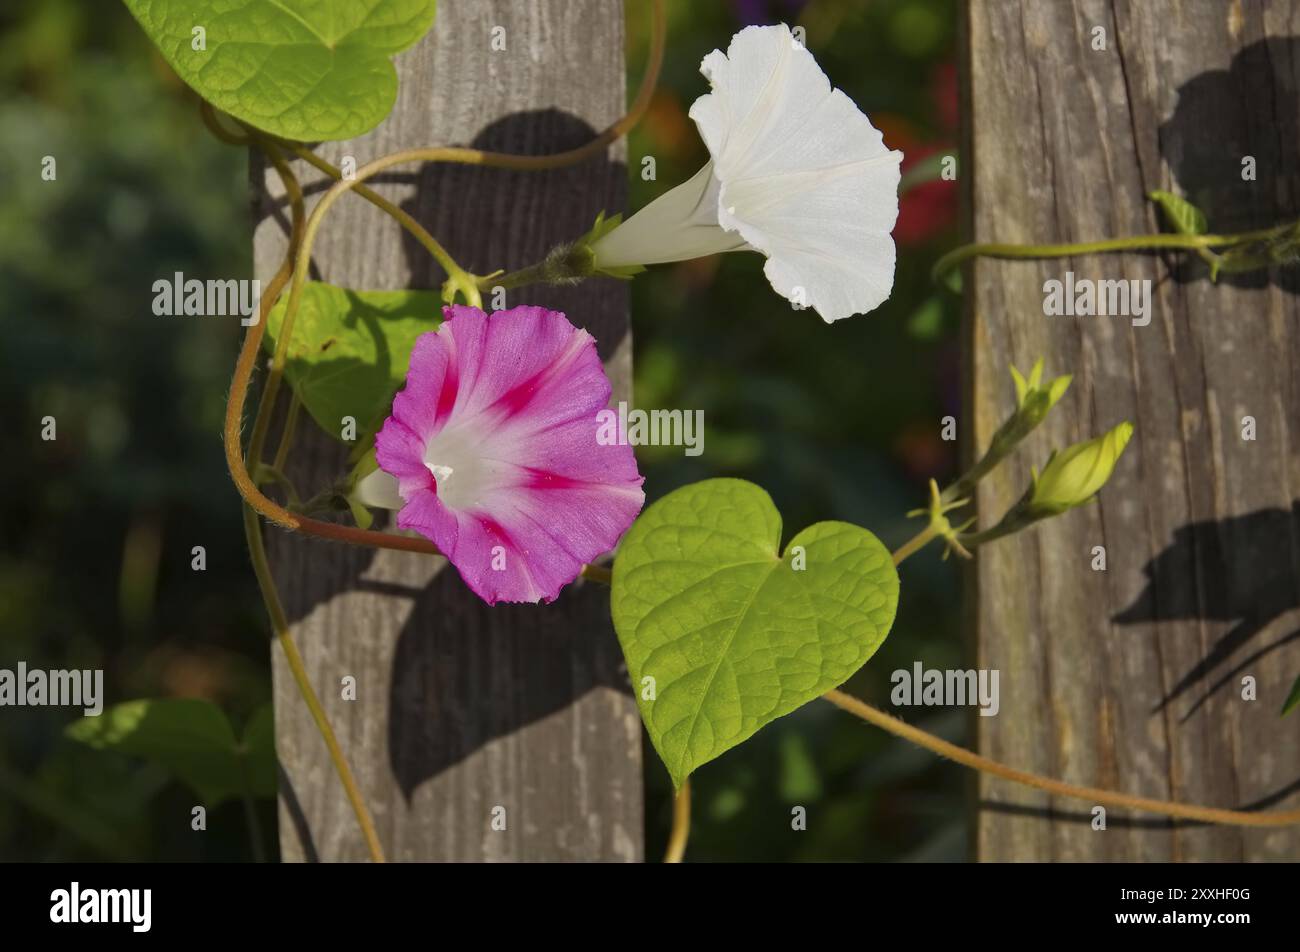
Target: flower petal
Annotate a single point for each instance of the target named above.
(400, 453)
(493, 444)
(805, 177)
(680, 224)
(379, 490)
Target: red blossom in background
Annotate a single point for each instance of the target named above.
(928, 210)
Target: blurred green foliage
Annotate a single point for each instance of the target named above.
(96, 528)
(194, 740)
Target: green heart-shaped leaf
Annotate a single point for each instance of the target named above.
(733, 634)
(351, 350)
(300, 69)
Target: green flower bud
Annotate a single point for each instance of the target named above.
(1032, 400)
(1074, 475)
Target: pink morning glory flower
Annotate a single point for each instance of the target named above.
(491, 452)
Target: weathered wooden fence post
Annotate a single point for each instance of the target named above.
(462, 709)
(1131, 677)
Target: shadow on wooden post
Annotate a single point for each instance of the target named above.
(1130, 677)
(461, 708)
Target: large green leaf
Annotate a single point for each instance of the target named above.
(350, 350)
(300, 69)
(193, 739)
(733, 633)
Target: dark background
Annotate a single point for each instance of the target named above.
(96, 527)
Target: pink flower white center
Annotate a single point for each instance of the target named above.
(492, 445)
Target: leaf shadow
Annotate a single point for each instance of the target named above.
(1243, 571)
(466, 673)
(1252, 108)
(566, 199)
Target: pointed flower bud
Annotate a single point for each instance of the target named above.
(1034, 401)
(1074, 475)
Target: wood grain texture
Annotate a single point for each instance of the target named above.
(461, 707)
(1131, 678)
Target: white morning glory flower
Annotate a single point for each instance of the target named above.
(796, 172)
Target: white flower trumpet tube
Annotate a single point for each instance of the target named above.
(796, 172)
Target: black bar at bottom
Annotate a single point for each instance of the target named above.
(333, 903)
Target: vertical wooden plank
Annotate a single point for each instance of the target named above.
(1131, 678)
(462, 708)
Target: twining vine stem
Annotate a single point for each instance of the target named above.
(1059, 787)
(1112, 798)
(293, 271)
(283, 634)
(262, 567)
(1158, 242)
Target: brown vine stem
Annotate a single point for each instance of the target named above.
(283, 634)
(266, 403)
(262, 567)
(248, 489)
(1113, 798)
(975, 761)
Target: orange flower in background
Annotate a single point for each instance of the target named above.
(669, 128)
